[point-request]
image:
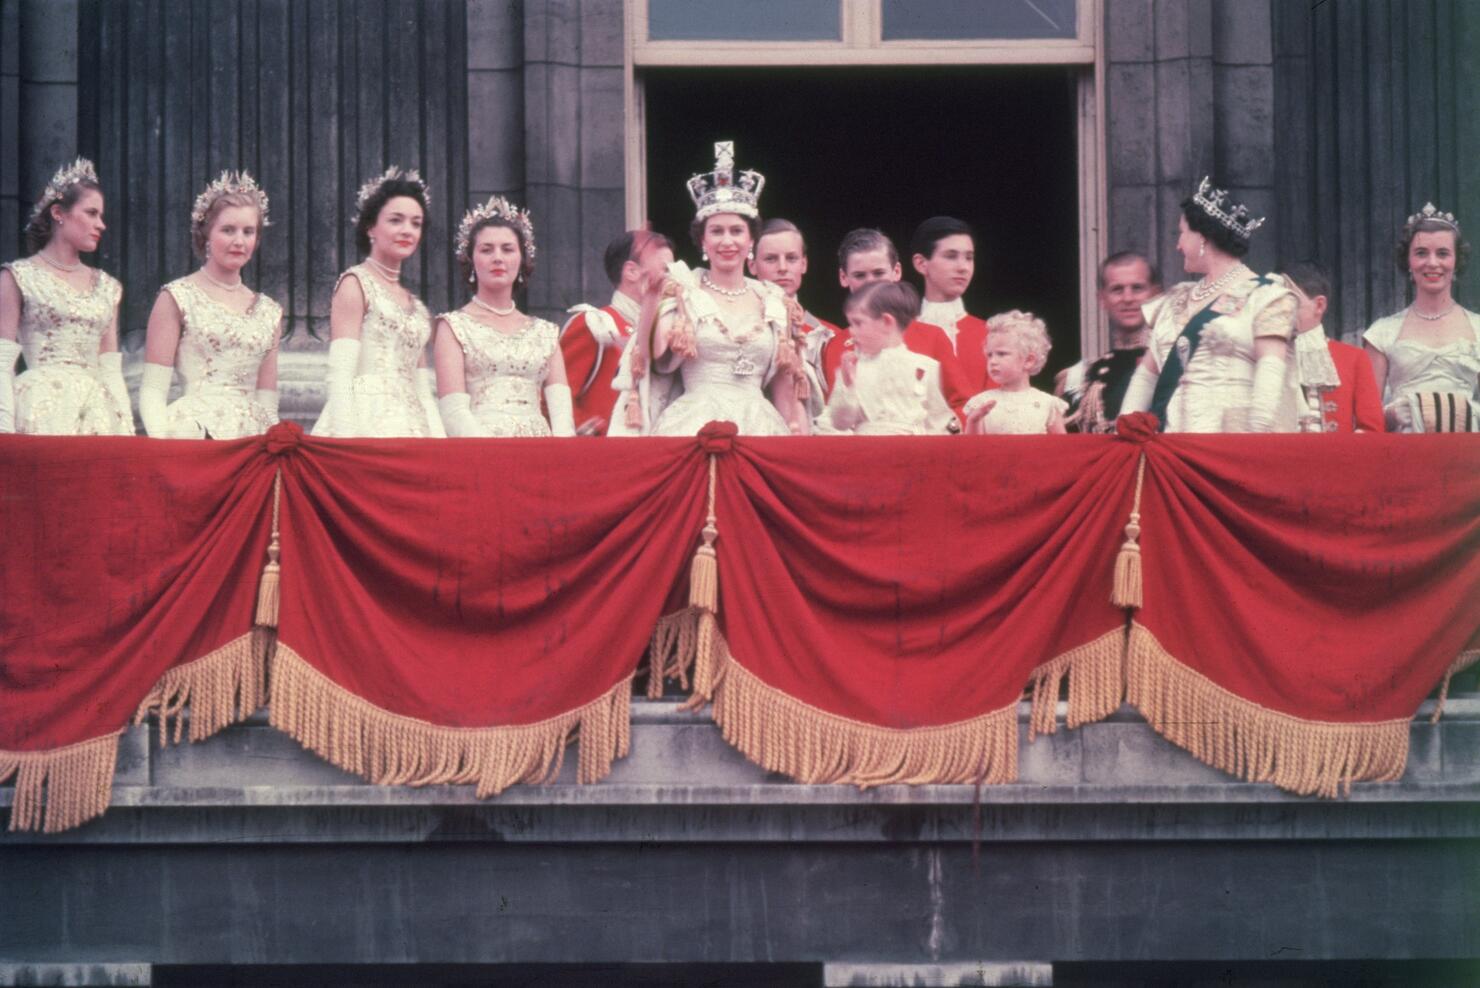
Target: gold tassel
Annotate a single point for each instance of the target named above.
(1254, 743)
(704, 602)
(782, 734)
(1126, 591)
(63, 788)
(394, 750)
(267, 589)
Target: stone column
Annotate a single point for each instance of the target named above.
(47, 91)
(574, 117)
(1243, 117)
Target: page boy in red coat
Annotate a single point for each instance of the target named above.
(943, 252)
(1353, 403)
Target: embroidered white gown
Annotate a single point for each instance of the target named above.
(505, 372)
(384, 399)
(726, 381)
(218, 357)
(60, 392)
(1416, 369)
(1216, 389)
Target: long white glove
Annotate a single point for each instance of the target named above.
(457, 414)
(10, 351)
(557, 403)
(339, 388)
(268, 399)
(110, 375)
(1398, 415)
(1140, 391)
(426, 386)
(154, 394)
(1268, 389)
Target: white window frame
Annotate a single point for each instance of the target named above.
(862, 44)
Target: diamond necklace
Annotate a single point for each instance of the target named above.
(221, 284)
(58, 264)
(1207, 289)
(1438, 315)
(708, 283)
(388, 272)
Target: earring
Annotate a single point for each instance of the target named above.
(472, 277)
(704, 255)
(1202, 248)
(751, 255)
(208, 250)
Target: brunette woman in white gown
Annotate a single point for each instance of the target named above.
(63, 315)
(1427, 357)
(219, 334)
(494, 363)
(721, 346)
(379, 380)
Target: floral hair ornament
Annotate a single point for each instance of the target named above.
(67, 176)
(230, 183)
(392, 174)
(497, 207)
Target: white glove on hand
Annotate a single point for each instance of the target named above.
(269, 402)
(457, 414)
(110, 375)
(10, 351)
(1268, 387)
(557, 403)
(426, 386)
(1399, 415)
(154, 393)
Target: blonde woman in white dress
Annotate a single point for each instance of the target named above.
(379, 381)
(494, 363)
(219, 334)
(63, 315)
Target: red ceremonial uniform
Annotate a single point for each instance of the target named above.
(932, 341)
(591, 344)
(832, 351)
(1356, 403)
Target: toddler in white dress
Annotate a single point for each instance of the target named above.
(1016, 348)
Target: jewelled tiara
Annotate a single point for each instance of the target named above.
(230, 183)
(1216, 204)
(392, 174)
(67, 176)
(496, 206)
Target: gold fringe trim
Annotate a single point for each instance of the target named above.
(267, 590)
(222, 688)
(782, 734)
(1459, 665)
(393, 750)
(1252, 742)
(1126, 590)
(1096, 674)
(63, 788)
(671, 651)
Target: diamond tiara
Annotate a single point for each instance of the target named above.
(230, 183)
(1216, 204)
(720, 191)
(1429, 212)
(391, 174)
(67, 176)
(496, 206)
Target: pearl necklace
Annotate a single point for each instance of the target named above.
(493, 308)
(1207, 289)
(1438, 315)
(58, 264)
(221, 284)
(708, 283)
(386, 271)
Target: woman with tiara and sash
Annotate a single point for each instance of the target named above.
(1218, 359)
(219, 334)
(1427, 357)
(63, 315)
(717, 346)
(493, 361)
(379, 381)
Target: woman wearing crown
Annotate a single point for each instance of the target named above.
(1427, 357)
(219, 334)
(717, 342)
(63, 316)
(492, 360)
(379, 382)
(1218, 359)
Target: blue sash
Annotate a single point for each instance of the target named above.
(1171, 371)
